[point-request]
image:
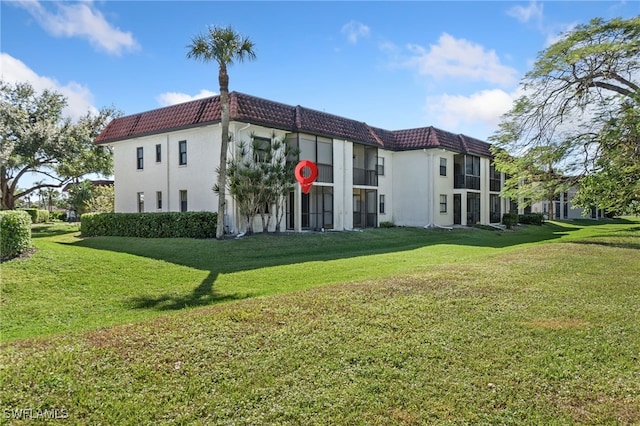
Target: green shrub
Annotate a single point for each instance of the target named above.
(15, 233)
(531, 219)
(387, 225)
(57, 215)
(43, 216)
(150, 225)
(510, 220)
(33, 213)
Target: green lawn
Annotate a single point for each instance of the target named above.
(385, 326)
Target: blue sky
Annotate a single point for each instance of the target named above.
(396, 65)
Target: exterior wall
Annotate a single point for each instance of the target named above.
(418, 185)
(385, 186)
(411, 189)
(443, 185)
(196, 177)
(411, 183)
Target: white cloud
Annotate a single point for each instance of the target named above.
(81, 20)
(355, 30)
(172, 98)
(79, 97)
(460, 58)
(526, 14)
(484, 108)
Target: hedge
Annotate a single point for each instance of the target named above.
(33, 214)
(15, 233)
(149, 225)
(37, 216)
(531, 219)
(43, 216)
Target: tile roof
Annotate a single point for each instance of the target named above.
(250, 109)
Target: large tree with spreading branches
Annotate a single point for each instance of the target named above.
(37, 139)
(578, 119)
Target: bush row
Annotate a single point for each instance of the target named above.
(531, 218)
(150, 225)
(512, 219)
(15, 233)
(38, 216)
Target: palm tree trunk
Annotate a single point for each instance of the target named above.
(223, 79)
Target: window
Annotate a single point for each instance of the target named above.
(365, 165)
(182, 152)
(140, 158)
(466, 171)
(443, 166)
(261, 149)
(381, 203)
(140, 202)
(443, 203)
(183, 201)
(158, 153)
(319, 150)
(159, 200)
(495, 215)
(494, 179)
(380, 167)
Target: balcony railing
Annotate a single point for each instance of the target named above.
(494, 185)
(466, 181)
(325, 173)
(365, 177)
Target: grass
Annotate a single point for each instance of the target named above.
(388, 326)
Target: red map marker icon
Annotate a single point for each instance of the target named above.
(306, 174)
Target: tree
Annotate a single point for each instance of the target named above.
(85, 197)
(259, 178)
(101, 200)
(51, 197)
(79, 194)
(580, 109)
(36, 138)
(224, 46)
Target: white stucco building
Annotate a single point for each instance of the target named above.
(166, 160)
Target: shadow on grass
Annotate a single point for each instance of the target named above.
(46, 230)
(629, 238)
(263, 251)
(202, 295)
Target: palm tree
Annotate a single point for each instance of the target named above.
(224, 46)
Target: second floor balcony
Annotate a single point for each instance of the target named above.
(466, 181)
(365, 177)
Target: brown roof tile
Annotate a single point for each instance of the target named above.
(254, 110)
